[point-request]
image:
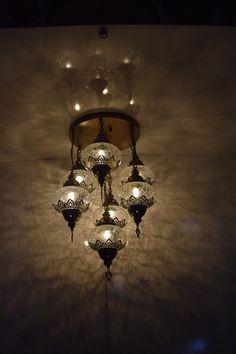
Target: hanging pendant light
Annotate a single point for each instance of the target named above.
(71, 200)
(136, 197)
(101, 157)
(144, 171)
(136, 191)
(108, 236)
(107, 239)
(85, 178)
(116, 212)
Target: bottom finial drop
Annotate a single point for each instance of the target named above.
(72, 235)
(108, 275)
(138, 231)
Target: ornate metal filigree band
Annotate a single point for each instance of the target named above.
(89, 187)
(118, 245)
(70, 204)
(112, 221)
(145, 180)
(137, 201)
(102, 160)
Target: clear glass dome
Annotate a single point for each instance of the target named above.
(71, 197)
(85, 179)
(140, 193)
(107, 236)
(101, 154)
(116, 212)
(145, 172)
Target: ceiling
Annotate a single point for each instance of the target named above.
(172, 291)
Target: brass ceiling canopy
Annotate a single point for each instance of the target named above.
(116, 126)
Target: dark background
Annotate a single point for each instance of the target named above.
(35, 13)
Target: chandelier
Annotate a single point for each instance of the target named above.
(100, 137)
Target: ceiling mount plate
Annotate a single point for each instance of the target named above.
(116, 125)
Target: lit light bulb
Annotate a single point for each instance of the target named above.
(112, 213)
(86, 243)
(101, 152)
(77, 107)
(68, 65)
(105, 91)
(131, 102)
(126, 60)
(107, 234)
(71, 195)
(79, 179)
(136, 192)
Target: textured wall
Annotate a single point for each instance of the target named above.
(174, 285)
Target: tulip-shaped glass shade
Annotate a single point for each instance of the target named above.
(145, 172)
(101, 153)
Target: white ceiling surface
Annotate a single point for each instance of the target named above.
(177, 279)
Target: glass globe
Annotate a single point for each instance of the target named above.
(71, 197)
(101, 154)
(116, 212)
(107, 236)
(137, 193)
(85, 179)
(145, 172)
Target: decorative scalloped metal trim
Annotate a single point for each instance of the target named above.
(70, 204)
(102, 160)
(147, 180)
(89, 187)
(115, 221)
(118, 245)
(120, 223)
(137, 201)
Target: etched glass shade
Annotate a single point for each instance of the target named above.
(107, 236)
(116, 212)
(145, 172)
(85, 179)
(137, 193)
(71, 197)
(101, 154)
